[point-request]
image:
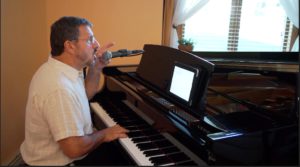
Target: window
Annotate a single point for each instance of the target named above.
(240, 25)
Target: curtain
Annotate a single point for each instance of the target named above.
(184, 9)
(167, 21)
(291, 8)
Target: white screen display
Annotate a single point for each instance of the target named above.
(182, 82)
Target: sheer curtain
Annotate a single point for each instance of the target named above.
(184, 9)
(169, 6)
(291, 8)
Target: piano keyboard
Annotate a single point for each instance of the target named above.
(145, 145)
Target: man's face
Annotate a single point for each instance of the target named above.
(86, 46)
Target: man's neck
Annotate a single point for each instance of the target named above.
(69, 60)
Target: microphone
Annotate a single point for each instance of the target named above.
(120, 53)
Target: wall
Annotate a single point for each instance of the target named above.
(23, 49)
(25, 29)
(130, 23)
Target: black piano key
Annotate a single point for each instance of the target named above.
(122, 118)
(160, 160)
(151, 132)
(146, 146)
(135, 134)
(140, 139)
(187, 163)
(176, 158)
(115, 113)
(151, 153)
(136, 123)
(119, 116)
(168, 150)
(138, 127)
(156, 137)
(148, 138)
(114, 109)
(163, 143)
(142, 133)
(154, 145)
(179, 157)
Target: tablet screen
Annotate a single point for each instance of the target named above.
(182, 81)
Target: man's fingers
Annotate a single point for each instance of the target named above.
(105, 47)
(108, 45)
(122, 135)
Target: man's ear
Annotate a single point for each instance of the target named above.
(69, 46)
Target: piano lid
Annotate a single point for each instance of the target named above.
(261, 61)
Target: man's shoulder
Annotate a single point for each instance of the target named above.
(44, 73)
(46, 78)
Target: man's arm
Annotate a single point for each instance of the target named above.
(77, 146)
(92, 85)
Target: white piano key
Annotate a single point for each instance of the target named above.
(135, 152)
(130, 147)
(103, 115)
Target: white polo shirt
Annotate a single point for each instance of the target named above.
(57, 108)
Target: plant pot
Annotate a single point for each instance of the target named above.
(187, 48)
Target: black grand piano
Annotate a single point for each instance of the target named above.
(188, 109)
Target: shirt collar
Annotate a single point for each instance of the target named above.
(69, 71)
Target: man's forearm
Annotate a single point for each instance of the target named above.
(92, 80)
(78, 146)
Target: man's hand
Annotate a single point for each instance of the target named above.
(77, 146)
(114, 132)
(99, 61)
(92, 85)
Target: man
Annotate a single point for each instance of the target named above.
(58, 127)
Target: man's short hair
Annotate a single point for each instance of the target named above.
(66, 28)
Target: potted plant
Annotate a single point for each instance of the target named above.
(186, 44)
